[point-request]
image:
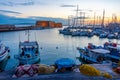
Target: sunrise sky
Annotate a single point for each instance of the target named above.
(57, 8)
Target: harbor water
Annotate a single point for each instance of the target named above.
(52, 45)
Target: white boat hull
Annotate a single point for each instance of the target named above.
(4, 56)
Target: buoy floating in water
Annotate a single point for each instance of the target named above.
(56, 47)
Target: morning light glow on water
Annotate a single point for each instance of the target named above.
(48, 40)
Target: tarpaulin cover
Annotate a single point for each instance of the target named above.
(64, 63)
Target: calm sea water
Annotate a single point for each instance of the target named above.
(48, 40)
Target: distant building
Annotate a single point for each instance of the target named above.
(51, 24)
(48, 24)
(58, 25)
(42, 24)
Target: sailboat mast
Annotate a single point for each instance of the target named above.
(103, 18)
(77, 15)
(35, 37)
(68, 21)
(28, 35)
(94, 20)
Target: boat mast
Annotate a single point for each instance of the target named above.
(77, 15)
(68, 21)
(103, 18)
(28, 35)
(94, 20)
(35, 37)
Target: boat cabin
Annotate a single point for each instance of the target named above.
(99, 54)
(28, 49)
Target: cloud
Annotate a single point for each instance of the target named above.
(7, 11)
(21, 3)
(68, 6)
(5, 19)
(6, 3)
(26, 3)
(11, 3)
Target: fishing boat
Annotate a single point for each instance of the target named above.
(113, 48)
(111, 36)
(28, 52)
(97, 55)
(65, 31)
(3, 52)
(4, 56)
(114, 51)
(103, 35)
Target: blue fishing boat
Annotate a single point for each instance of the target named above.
(3, 52)
(114, 51)
(113, 55)
(90, 56)
(28, 52)
(4, 55)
